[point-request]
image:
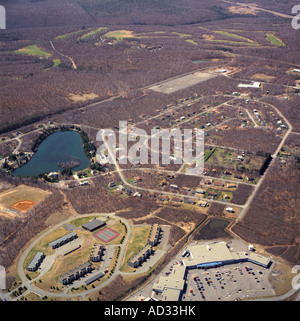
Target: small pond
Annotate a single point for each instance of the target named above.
(59, 148)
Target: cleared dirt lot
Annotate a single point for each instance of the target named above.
(183, 82)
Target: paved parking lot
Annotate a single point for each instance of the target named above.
(227, 283)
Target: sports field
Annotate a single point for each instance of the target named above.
(106, 235)
(21, 199)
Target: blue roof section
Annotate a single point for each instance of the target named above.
(209, 264)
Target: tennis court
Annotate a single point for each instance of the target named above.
(106, 235)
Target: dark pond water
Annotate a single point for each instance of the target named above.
(60, 147)
(215, 228)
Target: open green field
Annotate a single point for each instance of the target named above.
(232, 42)
(22, 193)
(191, 41)
(235, 36)
(56, 62)
(275, 40)
(34, 50)
(92, 33)
(119, 34)
(66, 35)
(138, 239)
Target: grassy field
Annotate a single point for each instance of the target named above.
(56, 62)
(138, 240)
(66, 35)
(193, 42)
(22, 193)
(275, 40)
(92, 33)
(119, 34)
(235, 36)
(34, 50)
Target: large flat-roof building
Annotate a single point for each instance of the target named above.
(202, 256)
(255, 84)
(93, 225)
(94, 278)
(171, 287)
(63, 240)
(217, 254)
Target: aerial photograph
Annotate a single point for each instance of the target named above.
(149, 151)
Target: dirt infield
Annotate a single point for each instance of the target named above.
(23, 206)
(20, 199)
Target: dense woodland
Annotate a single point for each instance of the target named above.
(273, 218)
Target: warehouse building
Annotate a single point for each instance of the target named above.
(36, 262)
(171, 287)
(217, 254)
(63, 240)
(93, 225)
(94, 278)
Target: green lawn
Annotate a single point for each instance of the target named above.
(119, 34)
(92, 33)
(138, 239)
(56, 62)
(191, 41)
(34, 50)
(233, 35)
(66, 35)
(275, 40)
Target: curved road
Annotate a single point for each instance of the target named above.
(28, 283)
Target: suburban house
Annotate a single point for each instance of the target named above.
(219, 184)
(202, 204)
(163, 198)
(212, 193)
